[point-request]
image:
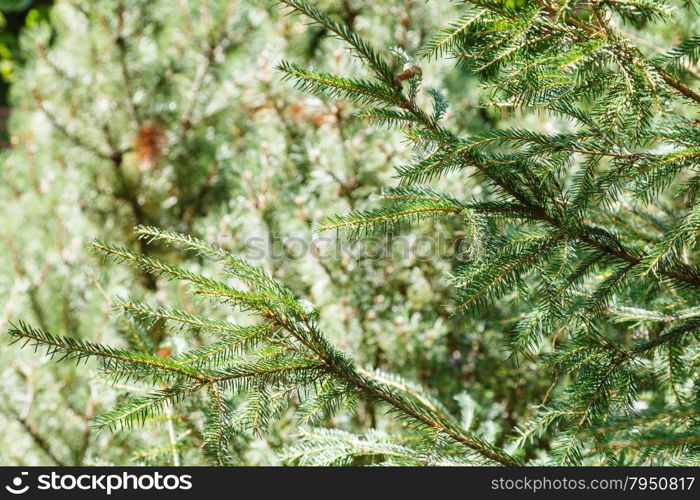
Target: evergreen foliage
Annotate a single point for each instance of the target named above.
(286, 355)
(588, 233)
(291, 159)
(109, 126)
(570, 215)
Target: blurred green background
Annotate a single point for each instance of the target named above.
(14, 16)
(171, 113)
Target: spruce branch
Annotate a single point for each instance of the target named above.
(77, 349)
(300, 360)
(576, 206)
(361, 48)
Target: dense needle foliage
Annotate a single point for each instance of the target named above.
(580, 246)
